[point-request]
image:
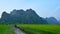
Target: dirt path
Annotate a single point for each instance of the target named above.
(18, 31)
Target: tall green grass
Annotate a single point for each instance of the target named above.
(6, 29)
(40, 29)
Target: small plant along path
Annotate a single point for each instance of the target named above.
(17, 30)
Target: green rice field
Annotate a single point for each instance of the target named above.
(40, 28)
(6, 29)
(31, 28)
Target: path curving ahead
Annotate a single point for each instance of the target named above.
(18, 31)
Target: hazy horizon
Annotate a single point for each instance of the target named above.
(44, 8)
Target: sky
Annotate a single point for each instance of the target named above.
(44, 8)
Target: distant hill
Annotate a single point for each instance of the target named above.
(52, 20)
(59, 21)
(23, 17)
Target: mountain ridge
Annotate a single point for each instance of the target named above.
(52, 20)
(23, 17)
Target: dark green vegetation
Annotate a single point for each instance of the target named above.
(25, 17)
(22, 17)
(6, 29)
(40, 29)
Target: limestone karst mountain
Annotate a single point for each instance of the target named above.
(20, 16)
